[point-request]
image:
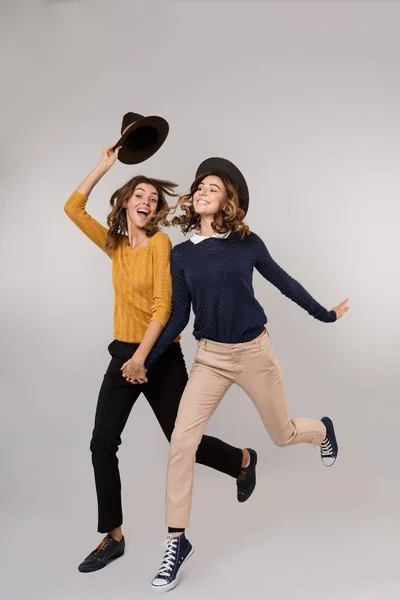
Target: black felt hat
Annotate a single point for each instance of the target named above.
(141, 137)
(222, 165)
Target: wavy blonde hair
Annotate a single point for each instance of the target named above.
(231, 217)
(116, 220)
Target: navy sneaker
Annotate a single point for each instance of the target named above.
(178, 550)
(246, 482)
(329, 447)
(108, 550)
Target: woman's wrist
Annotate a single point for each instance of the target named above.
(101, 169)
(139, 356)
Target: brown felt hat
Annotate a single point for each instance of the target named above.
(141, 137)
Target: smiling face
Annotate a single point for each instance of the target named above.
(142, 205)
(210, 197)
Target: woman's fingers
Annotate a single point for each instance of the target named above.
(136, 380)
(342, 308)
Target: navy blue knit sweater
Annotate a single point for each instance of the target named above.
(215, 276)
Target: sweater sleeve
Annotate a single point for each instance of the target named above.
(162, 293)
(288, 286)
(75, 208)
(181, 303)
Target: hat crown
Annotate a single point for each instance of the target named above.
(129, 119)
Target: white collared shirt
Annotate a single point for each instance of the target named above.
(196, 238)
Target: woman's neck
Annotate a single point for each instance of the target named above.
(206, 226)
(136, 235)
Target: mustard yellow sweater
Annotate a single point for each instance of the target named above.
(141, 278)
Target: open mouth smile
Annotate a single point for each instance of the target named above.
(143, 212)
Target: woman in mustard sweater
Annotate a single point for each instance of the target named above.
(140, 256)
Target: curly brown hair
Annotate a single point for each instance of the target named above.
(231, 217)
(116, 220)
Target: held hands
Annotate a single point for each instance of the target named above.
(134, 370)
(108, 157)
(341, 308)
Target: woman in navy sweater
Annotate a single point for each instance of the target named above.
(213, 271)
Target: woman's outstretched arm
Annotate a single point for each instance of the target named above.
(291, 288)
(75, 206)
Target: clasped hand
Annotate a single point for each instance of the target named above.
(134, 370)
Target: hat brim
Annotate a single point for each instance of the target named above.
(142, 140)
(222, 165)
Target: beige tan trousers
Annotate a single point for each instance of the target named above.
(254, 367)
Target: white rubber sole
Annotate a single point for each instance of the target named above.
(170, 586)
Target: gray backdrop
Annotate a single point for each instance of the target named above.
(304, 97)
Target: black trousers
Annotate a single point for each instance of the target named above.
(167, 378)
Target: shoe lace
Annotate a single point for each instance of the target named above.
(104, 543)
(326, 447)
(242, 475)
(167, 564)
